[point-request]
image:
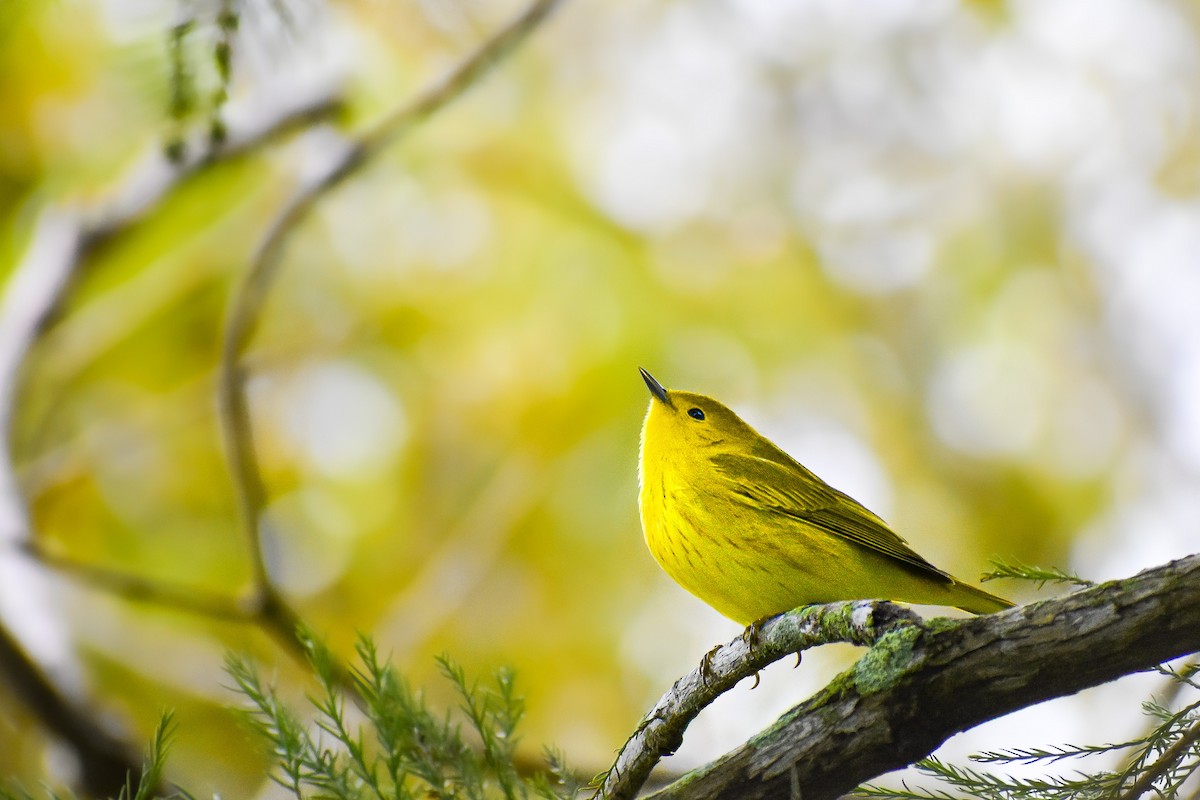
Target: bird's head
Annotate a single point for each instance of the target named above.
(685, 421)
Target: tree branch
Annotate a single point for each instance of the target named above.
(660, 732)
(922, 682)
(250, 295)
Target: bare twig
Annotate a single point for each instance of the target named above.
(246, 307)
(132, 587)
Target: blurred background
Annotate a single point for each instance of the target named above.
(947, 254)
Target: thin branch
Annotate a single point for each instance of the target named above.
(460, 79)
(925, 682)
(132, 587)
(250, 295)
(278, 620)
(1164, 763)
(660, 732)
(1171, 755)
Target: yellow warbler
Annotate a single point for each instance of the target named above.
(740, 524)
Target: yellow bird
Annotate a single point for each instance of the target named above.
(746, 528)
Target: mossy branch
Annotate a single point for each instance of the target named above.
(862, 622)
(898, 704)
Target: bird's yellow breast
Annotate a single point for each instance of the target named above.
(705, 543)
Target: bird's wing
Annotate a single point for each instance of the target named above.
(790, 490)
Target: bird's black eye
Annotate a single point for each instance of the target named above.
(695, 413)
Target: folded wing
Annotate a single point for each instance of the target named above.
(788, 489)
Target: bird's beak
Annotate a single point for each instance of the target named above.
(655, 387)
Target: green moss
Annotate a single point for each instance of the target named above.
(836, 623)
(887, 662)
(941, 624)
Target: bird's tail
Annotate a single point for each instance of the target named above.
(977, 601)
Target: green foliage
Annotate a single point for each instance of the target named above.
(1159, 762)
(199, 48)
(409, 750)
(227, 25)
(182, 88)
(1039, 575)
(152, 768)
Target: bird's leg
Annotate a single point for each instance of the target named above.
(706, 664)
(753, 633)
(752, 636)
